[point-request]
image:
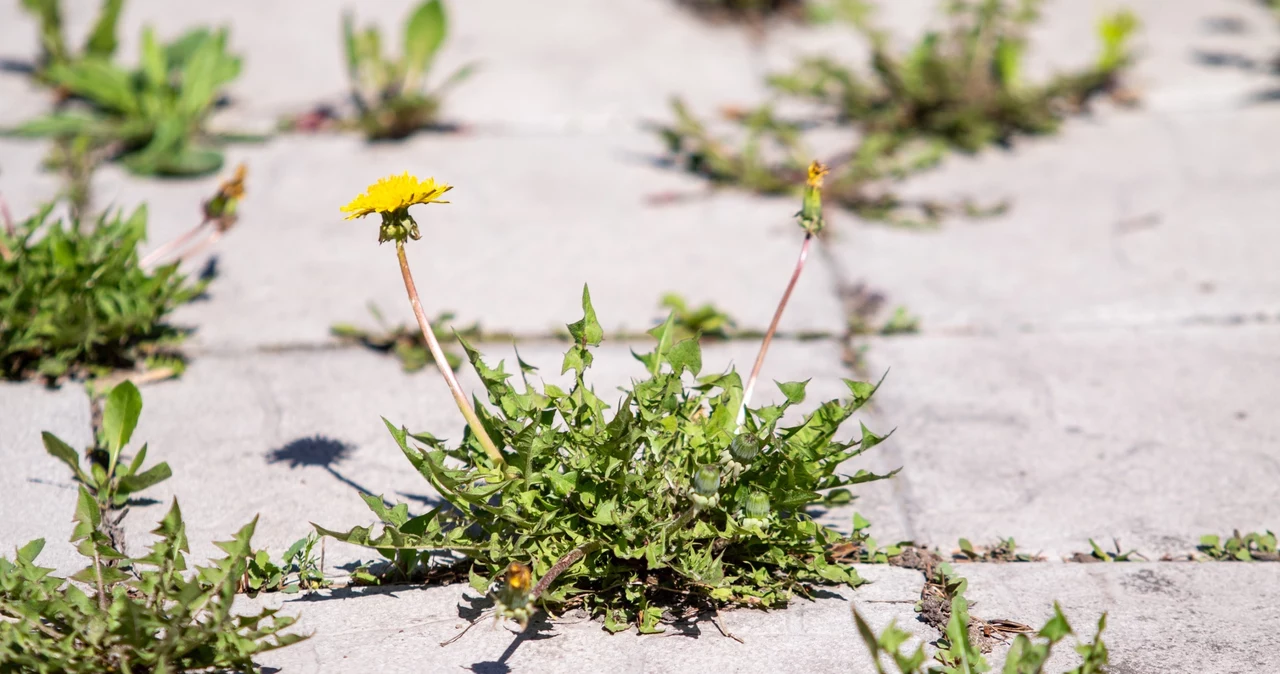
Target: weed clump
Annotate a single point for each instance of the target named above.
(678, 495)
(663, 501)
(151, 118)
(152, 613)
(75, 302)
(958, 89)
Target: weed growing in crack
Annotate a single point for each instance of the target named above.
(680, 494)
(142, 614)
(965, 639)
(1006, 550)
(957, 90)
(106, 476)
(704, 322)
(1251, 547)
(390, 94)
(299, 569)
(151, 118)
(138, 614)
(405, 343)
(76, 302)
(1098, 554)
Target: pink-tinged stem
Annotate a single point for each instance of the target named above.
(442, 364)
(160, 252)
(773, 328)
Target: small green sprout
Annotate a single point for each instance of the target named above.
(299, 569)
(1250, 547)
(706, 321)
(407, 343)
(106, 476)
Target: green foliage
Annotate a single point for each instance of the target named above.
(1004, 551)
(407, 343)
(390, 94)
(706, 321)
(958, 654)
(1099, 554)
(1248, 548)
(151, 118)
(299, 569)
(100, 43)
(959, 89)
(143, 614)
(901, 322)
(632, 511)
(105, 477)
(75, 302)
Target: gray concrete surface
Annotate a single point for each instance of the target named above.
(1155, 437)
(1096, 363)
(816, 636)
(1171, 617)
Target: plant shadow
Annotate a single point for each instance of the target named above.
(318, 451)
(539, 629)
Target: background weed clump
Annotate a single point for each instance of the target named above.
(666, 501)
(75, 302)
(151, 118)
(390, 94)
(957, 89)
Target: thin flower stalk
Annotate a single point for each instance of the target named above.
(391, 198)
(442, 363)
(810, 218)
(219, 211)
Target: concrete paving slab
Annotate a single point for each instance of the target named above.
(1155, 437)
(23, 184)
(39, 496)
(399, 630)
(1161, 617)
(293, 436)
(532, 218)
(1128, 219)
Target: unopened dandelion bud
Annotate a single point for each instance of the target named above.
(810, 214)
(706, 482)
(744, 447)
(757, 506)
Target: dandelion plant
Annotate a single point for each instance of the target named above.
(673, 495)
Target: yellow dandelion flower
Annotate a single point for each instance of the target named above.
(234, 188)
(395, 194)
(816, 171)
(519, 578)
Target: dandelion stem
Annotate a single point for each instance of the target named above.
(160, 252)
(559, 567)
(442, 364)
(773, 328)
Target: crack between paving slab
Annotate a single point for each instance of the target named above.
(532, 339)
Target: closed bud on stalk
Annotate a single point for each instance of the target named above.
(757, 505)
(810, 214)
(707, 481)
(744, 447)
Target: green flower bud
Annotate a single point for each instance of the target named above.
(744, 447)
(757, 505)
(810, 214)
(707, 481)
